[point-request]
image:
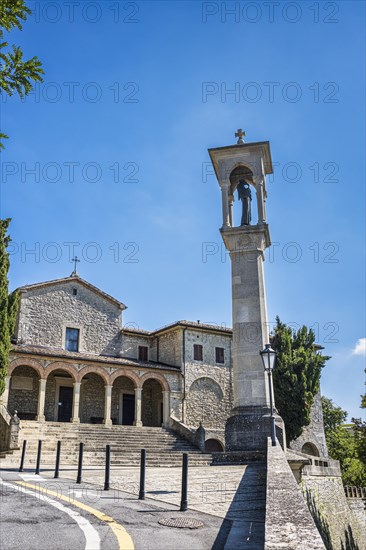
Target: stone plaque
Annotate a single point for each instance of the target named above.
(22, 383)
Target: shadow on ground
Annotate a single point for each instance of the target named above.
(243, 526)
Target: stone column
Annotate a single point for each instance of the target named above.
(248, 427)
(41, 399)
(138, 407)
(76, 403)
(107, 406)
(260, 200)
(231, 217)
(166, 408)
(4, 397)
(225, 205)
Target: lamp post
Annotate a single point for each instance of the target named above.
(269, 358)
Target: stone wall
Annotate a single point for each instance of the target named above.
(314, 433)
(340, 528)
(45, 312)
(208, 384)
(152, 399)
(25, 400)
(91, 398)
(131, 343)
(288, 521)
(170, 348)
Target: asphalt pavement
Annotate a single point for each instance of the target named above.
(40, 513)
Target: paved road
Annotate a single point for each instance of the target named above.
(43, 514)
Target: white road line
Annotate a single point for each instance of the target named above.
(92, 539)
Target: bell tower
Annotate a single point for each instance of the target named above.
(241, 169)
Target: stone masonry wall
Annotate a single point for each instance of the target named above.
(314, 433)
(91, 398)
(45, 313)
(131, 343)
(24, 400)
(170, 348)
(339, 526)
(208, 384)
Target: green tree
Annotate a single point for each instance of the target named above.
(8, 305)
(16, 74)
(296, 378)
(346, 443)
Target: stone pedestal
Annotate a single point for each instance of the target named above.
(249, 428)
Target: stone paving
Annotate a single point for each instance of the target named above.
(234, 493)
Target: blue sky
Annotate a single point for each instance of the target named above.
(117, 136)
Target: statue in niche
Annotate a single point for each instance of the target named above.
(245, 195)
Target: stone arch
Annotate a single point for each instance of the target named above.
(123, 406)
(310, 449)
(241, 170)
(59, 393)
(59, 365)
(207, 381)
(131, 375)
(95, 370)
(24, 390)
(213, 445)
(163, 382)
(92, 396)
(205, 403)
(27, 362)
(152, 403)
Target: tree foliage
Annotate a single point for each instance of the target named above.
(16, 74)
(8, 305)
(296, 377)
(346, 443)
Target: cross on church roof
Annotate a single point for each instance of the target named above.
(240, 134)
(75, 260)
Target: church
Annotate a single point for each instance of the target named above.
(73, 361)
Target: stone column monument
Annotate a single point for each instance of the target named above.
(241, 170)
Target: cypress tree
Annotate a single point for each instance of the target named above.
(8, 304)
(296, 377)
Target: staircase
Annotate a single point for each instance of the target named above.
(163, 447)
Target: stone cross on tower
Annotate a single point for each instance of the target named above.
(250, 424)
(240, 134)
(75, 260)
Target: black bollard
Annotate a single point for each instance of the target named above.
(184, 501)
(58, 454)
(107, 467)
(80, 463)
(38, 465)
(23, 456)
(142, 474)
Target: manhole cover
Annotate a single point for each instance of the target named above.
(181, 523)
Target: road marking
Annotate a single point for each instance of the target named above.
(124, 539)
(92, 539)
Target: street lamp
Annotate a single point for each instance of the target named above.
(269, 358)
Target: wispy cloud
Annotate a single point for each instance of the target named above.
(360, 347)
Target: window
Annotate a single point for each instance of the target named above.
(72, 339)
(74, 291)
(197, 352)
(220, 355)
(143, 351)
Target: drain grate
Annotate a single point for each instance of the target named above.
(181, 523)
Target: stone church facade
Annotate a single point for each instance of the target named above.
(73, 361)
